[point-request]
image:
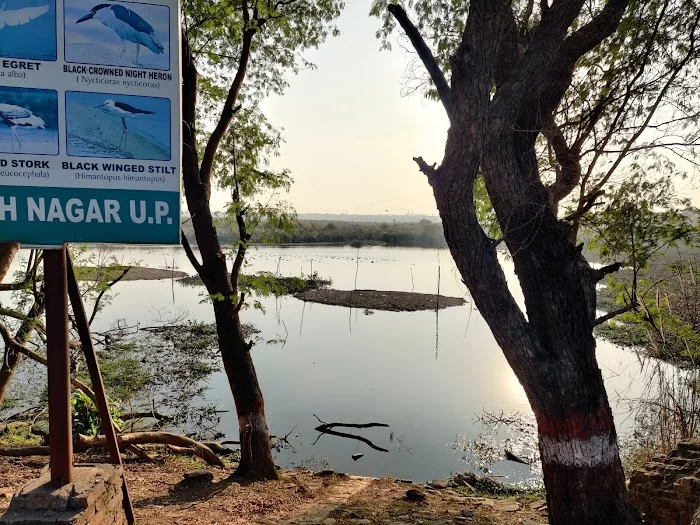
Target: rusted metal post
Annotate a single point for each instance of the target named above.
(83, 326)
(58, 357)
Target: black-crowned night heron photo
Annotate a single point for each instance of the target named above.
(128, 25)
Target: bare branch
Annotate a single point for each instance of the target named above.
(611, 315)
(426, 56)
(228, 110)
(190, 254)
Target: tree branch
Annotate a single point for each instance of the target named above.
(228, 110)
(600, 273)
(426, 56)
(611, 315)
(10, 342)
(96, 306)
(190, 254)
(427, 170)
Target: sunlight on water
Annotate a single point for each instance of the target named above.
(343, 365)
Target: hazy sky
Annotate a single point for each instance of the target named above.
(350, 135)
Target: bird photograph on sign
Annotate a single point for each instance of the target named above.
(126, 34)
(28, 121)
(28, 29)
(117, 126)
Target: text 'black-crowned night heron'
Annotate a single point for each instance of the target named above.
(120, 109)
(13, 116)
(128, 25)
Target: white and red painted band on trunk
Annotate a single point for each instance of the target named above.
(597, 450)
(581, 440)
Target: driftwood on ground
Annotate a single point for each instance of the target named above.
(83, 443)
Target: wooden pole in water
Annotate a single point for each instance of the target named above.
(58, 357)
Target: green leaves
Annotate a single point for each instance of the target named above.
(641, 216)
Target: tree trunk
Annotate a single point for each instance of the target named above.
(256, 455)
(12, 358)
(8, 250)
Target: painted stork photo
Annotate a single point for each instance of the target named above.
(124, 34)
(117, 126)
(21, 18)
(28, 121)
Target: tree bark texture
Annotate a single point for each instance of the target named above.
(8, 250)
(13, 358)
(256, 456)
(551, 348)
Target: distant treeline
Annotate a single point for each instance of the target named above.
(422, 234)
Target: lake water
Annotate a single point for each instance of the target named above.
(428, 381)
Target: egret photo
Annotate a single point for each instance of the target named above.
(117, 126)
(28, 121)
(126, 34)
(28, 29)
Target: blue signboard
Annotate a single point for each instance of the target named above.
(89, 121)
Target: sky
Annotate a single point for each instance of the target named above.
(350, 135)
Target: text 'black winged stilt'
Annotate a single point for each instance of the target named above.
(128, 25)
(13, 116)
(120, 109)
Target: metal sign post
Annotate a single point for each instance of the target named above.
(60, 432)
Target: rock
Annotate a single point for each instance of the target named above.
(328, 521)
(461, 519)
(505, 505)
(529, 522)
(357, 456)
(466, 514)
(361, 522)
(408, 481)
(325, 473)
(536, 505)
(203, 475)
(415, 495)
(438, 484)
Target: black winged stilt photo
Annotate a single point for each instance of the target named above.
(28, 121)
(20, 18)
(123, 111)
(117, 33)
(117, 126)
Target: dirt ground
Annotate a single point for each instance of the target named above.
(161, 496)
(380, 299)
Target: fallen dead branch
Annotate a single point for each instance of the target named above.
(152, 438)
(82, 443)
(329, 428)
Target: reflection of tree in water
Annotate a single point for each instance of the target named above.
(505, 436)
(162, 371)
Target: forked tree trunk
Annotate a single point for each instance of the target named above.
(256, 455)
(552, 351)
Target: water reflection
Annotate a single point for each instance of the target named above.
(346, 366)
